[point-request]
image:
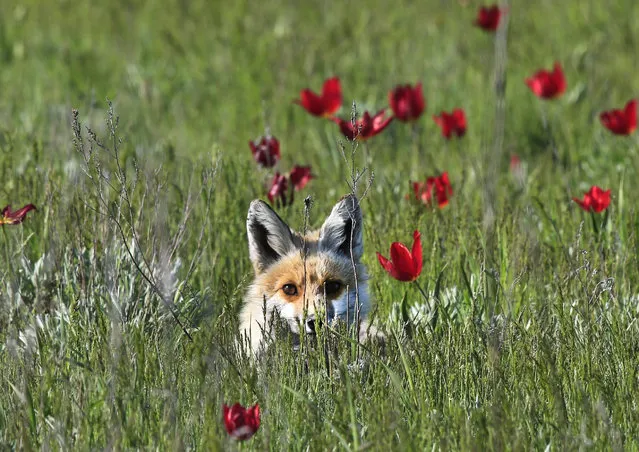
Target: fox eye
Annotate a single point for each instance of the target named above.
(289, 289)
(332, 287)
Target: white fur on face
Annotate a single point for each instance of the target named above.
(346, 306)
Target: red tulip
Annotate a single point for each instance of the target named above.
(548, 85)
(596, 200)
(515, 163)
(434, 186)
(404, 265)
(365, 127)
(407, 102)
(621, 122)
(453, 123)
(266, 151)
(241, 423)
(488, 17)
(17, 217)
(279, 189)
(325, 104)
(300, 176)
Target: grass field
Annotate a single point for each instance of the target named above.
(535, 344)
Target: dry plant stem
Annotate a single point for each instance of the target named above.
(98, 178)
(307, 210)
(494, 156)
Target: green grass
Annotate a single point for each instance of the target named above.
(537, 337)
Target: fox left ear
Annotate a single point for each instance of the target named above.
(342, 230)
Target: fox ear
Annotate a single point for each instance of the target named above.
(268, 236)
(342, 230)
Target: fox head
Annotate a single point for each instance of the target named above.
(307, 279)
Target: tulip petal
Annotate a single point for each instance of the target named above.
(417, 253)
(387, 265)
(402, 261)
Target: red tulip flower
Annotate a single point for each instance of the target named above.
(283, 186)
(548, 85)
(325, 104)
(266, 151)
(300, 176)
(488, 17)
(621, 122)
(279, 189)
(515, 163)
(407, 102)
(404, 265)
(241, 423)
(595, 200)
(435, 187)
(366, 127)
(453, 123)
(17, 217)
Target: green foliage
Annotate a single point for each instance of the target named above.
(530, 334)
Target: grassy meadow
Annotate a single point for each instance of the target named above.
(119, 295)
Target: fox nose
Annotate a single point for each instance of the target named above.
(310, 325)
(311, 322)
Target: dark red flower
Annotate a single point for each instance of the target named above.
(300, 176)
(488, 17)
(515, 163)
(595, 200)
(453, 123)
(278, 190)
(17, 217)
(283, 186)
(621, 122)
(404, 265)
(439, 187)
(266, 151)
(518, 169)
(325, 104)
(241, 423)
(548, 85)
(407, 102)
(366, 127)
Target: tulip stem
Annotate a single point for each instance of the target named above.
(6, 248)
(367, 159)
(421, 289)
(555, 152)
(595, 226)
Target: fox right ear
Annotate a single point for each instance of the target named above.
(268, 236)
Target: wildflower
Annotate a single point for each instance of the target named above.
(548, 85)
(404, 265)
(438, 186)
(366, 127)
(241, 423)
(266, 151)
(407, 102)
(488, 17)
(595, 200)
(283, 185)
(279, 189)
(325, 104)
(621, 122)
(453, 123)
(17, 217)
(518, 169)
(299, 176)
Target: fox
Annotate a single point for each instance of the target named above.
(307, 279)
